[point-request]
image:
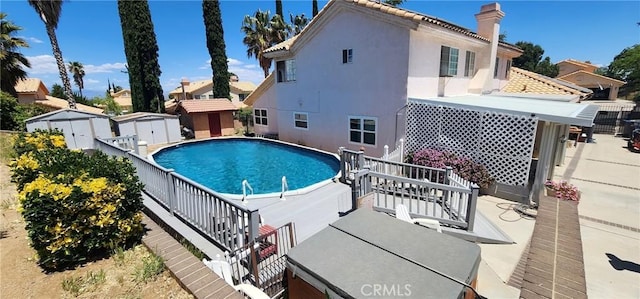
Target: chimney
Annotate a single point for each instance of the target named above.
(489, 21)
(184, 82)
(489, 27)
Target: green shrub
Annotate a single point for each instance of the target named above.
(75, 206)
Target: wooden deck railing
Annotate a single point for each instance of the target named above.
(227, 223)
(262, 262)
(428, 192)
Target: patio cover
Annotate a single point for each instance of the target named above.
(367, 248)
(549, 108)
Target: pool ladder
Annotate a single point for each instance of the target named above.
(245, 185)
(285, 187)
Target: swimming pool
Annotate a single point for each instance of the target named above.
(222, 164)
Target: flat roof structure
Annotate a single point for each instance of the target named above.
(549, 108)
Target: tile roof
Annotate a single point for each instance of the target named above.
(522, 81)
(193, 86)
(195, 106)
(58, 103)
(30, 85)
(391, 10)
(579, 63)
(582, 72)
(243, 85)
(259, 91)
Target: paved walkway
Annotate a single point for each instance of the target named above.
(609, 177)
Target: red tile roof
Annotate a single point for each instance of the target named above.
(195, 106)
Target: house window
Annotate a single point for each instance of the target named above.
(301, 120)
(242, 96)
(286, 70)
(470, 64)
(448, 61)
(495, 70)
(362, 130)
(260, 117)
(347, 56)
(506, 73)
(211, 97)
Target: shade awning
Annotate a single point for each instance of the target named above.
(543, 107)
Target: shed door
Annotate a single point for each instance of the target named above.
(67, 130)
(82, 131)
(159, 131)
(214, 124)
(144, 131)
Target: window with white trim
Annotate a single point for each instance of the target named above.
(470, 64)
(241, 97)
(347, 56)
(260, 117)
(495, 70)
(448, 61)
(363, 130)
(286, 70)
(506, 73)
(301, 120)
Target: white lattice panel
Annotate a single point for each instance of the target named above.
(502, 142)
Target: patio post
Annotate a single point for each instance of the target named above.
(471, 208)
(343, 175)
(447, 173)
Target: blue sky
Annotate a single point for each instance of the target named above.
(89, 32)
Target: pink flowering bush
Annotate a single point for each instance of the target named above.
(563, 190)
(464, 167)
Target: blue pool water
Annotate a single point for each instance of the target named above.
(222, 164)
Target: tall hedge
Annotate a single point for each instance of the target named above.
(75, 206)
(141, 49)
(217, 49)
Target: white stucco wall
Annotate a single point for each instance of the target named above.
(373, 85)
(424, 64)
(267, 101)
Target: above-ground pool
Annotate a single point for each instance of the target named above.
(222, 164)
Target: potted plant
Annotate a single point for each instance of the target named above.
(562, 190)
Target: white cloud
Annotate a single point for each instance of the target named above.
(32, 39)
(42, 64)
(206, 66)
(46, 64)
(104, 68)
(90, 81)
(234, 62)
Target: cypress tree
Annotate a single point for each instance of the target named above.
(279, 8)
(141, 49)
(216, 46)
(315, 8)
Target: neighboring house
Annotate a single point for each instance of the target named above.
(345, 79)
(123, 98)
(206, 118)
(203, 90)
(523, 81)
(582, 74)
(33, 91)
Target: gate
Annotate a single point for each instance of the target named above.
(610, 117)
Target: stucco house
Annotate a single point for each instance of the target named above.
(527, 82)
(123, 98)
(583, 74)
(346, 78)
(203, 90)
(206, 118)
(33, 91)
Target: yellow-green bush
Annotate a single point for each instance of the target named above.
(76, 206)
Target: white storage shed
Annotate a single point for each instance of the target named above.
(80, 128)
(154, 128)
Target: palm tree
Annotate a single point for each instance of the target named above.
(49, 12)
(77, 69)
(11, 61)
(298, 23)
(261, 32)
